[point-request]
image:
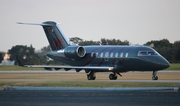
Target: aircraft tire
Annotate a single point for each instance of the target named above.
(115, 78)
(89, 77)
(112, 77)
(155, 78)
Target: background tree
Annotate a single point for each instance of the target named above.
(90, 42)
(171, 51)
(26, 54)
(44, 59)
(177, 48)
(43, 51)
(75, 40)
(1, 56)
(113, 42)
(104, 41)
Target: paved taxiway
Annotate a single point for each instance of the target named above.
(89, 97)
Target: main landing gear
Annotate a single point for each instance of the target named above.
(91, 75)
(113, 76)
(154, 75)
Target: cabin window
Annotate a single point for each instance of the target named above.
(116, 55)
(101, 54)
(121, 55)
(126, 55)
(107, 54)
(96, 54)
(111, 55)
(92, 54)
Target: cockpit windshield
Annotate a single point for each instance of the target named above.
(146, 53)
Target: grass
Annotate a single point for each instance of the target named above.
(174, 66)
(89, 84)
(66, 79)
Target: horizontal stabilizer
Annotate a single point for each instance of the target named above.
(42, 24)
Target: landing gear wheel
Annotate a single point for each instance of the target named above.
(155, 78)
(91, 76)
(112, 77)
(154, 75)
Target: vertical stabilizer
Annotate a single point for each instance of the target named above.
(54, 35)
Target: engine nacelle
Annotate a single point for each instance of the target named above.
(74, 52)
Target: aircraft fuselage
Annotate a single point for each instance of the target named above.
(123, 58)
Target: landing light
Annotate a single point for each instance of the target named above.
(110, 69)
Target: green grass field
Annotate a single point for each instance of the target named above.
(174, 66)
(99, 84)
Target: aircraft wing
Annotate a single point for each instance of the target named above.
(70, 67)
(78, 68)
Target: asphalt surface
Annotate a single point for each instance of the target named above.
(89, 97)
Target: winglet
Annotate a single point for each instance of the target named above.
(19, 61)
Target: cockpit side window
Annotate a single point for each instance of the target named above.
(146, 53)
(152, 53)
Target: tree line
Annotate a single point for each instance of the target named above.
(171, 51)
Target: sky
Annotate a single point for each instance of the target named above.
(137, 21)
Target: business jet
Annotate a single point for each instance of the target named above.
(115, 59)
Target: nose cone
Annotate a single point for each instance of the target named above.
(166, 64)
(163, 63)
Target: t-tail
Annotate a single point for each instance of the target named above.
(54, 35)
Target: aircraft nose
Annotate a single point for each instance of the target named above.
(164, 63)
